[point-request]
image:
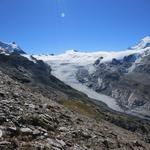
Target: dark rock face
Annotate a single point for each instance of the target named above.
(115, 62)
(147, 45)
(131, 58)
(143, 66)
(97, 62)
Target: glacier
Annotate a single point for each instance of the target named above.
(65, 67)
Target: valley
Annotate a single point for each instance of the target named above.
(110, 77)
(47, 106)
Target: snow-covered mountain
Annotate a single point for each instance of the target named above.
(74, 56)
(119, 79)
(99, 73)
(144, 43)
(37, 106)
(7, 48)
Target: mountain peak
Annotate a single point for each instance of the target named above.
(146, 39)
(144, 43)
(8, 48)
(14, 45)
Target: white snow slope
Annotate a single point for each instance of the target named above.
(65, 66)
(8, 48)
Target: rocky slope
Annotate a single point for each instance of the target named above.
(29, 119)
(38, 111)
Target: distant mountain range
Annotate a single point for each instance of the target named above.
(123, 75)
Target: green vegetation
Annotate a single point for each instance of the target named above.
(80, 107)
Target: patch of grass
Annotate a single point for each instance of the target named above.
(80, 107)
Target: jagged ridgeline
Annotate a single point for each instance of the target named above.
(38, 111)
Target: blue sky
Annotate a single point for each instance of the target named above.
(53, 26)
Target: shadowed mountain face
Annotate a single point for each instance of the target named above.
(38, 111)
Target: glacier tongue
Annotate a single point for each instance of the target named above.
(66, 72)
